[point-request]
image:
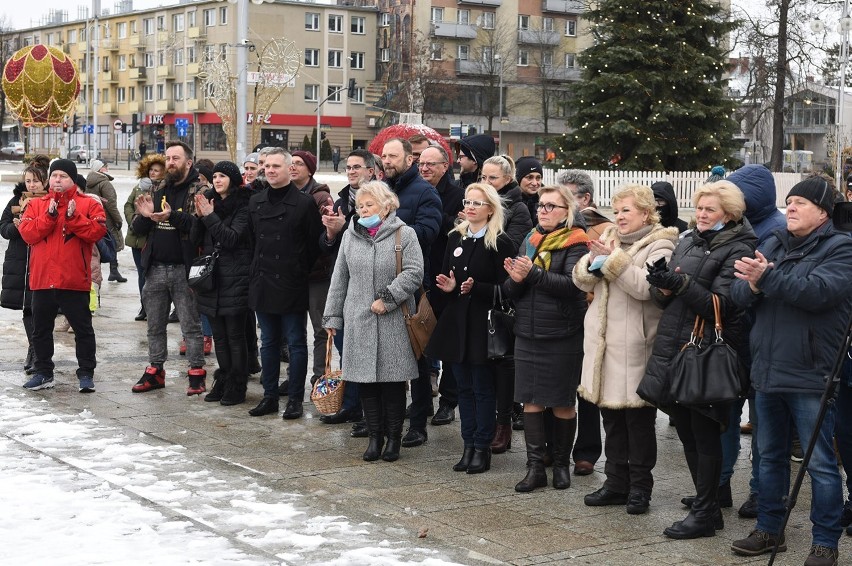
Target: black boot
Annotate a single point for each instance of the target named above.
(462, 465)
(114, 275)
(29, 361)
(692, 464)
(235, 389)
(703, 517)
(142, 315)
(563, 441)
(220, 379)
(394, 417)
(534, 437)
(481, 461)
(373, 417)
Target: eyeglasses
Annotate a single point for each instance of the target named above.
(548, 207)
(430, 164)
(491, 178)
(354, 167)
(297, 164)
(474, 203)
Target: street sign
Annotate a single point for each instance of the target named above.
(117, 125)
(182, 127)
(90, 129)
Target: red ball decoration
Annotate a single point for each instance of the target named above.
(405, 131)
(41, 84)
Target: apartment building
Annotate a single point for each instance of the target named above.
(149, 63)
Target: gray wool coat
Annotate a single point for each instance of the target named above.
(375, 347)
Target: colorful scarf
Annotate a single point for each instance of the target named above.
(540, 245)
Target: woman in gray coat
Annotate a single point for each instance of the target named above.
(366, 293)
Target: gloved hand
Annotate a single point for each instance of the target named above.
(658, 266)
(669, 280)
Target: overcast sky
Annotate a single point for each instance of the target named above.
(29, 12)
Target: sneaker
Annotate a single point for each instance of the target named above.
(756, 543)
(208, 345)
(796, 455)
(87, 384)
(153, 378)
(638, 502)
(182, 347)
(822, 556)
(39, 381)
(197, 378)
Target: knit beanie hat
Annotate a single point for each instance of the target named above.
(81, 182)
(230, 169)
(206, 171)
(309, 160)
(816, 190)
(252, 158)
(97, 165)
(65, 165)
(526, 165)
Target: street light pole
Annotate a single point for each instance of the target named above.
(500, 104)
(845, 25)
(319, 106)
(242, 62)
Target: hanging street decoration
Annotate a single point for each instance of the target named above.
(41, 85)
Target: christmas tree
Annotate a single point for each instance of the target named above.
(652, 95)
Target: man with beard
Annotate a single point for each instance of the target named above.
(166, 216)
(435, 169)
(286, 227)
(420, 208)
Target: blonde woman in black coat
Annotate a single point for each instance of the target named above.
(472, 271)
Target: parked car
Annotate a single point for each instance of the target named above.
(80, 153)
(14, 150)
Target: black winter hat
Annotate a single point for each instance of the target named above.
(478, 147)
(65, 165)
(207, 172)
(230, 169)
(816, 190)
(526, 165)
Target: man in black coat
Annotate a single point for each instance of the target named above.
(472, 152)
(286, 227)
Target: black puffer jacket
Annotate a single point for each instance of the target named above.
(227, 225)
(16, 292)
(516, 220)
(708, 260)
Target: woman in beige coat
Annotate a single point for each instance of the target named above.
(621, 324)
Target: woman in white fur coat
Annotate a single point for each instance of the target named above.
(621, 325)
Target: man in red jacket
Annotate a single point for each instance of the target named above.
(61, 228)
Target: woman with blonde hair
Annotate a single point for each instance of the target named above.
(548, 333)
(621, 325)
(366, 294)
(471, 274)
(701, 266)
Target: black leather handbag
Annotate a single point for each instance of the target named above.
(707, 373)
(501, 327)
(201, 272)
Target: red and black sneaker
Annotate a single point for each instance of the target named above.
(153, 378)
(197, 378)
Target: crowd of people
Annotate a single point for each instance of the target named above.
(602, 306)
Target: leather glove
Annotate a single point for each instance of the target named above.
(669, 280)
(657, 266)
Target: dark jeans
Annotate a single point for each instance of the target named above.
(251, 334)
(230, 339)
(630, 448)
(505, 383)
(588, 445)
(843, 424)
(75, 307)
(140, 271)
(421, 395)
(477, 403)
(274, 328)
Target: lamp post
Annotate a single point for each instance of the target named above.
(499, 61)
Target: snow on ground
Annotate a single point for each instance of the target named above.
(78, 492)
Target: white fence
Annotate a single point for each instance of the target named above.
(684, 182)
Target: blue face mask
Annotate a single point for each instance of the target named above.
(370, 221)
(718, 226)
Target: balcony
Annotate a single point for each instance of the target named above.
(482, 2)
(562, 6)
(453, 30)
(109, 77)
(132, 106)
(196, 32)
(192, 69)
(137, 73)
(560, 73)
(538, 37)
(84, 77)
(136, 41)
(194, 104)
(109, 44)
(108, 108)
(471, 67)
(165, 72)
(164, 106)
(163, 37)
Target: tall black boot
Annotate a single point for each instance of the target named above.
(373, 417)
(692, 464)
(702, 518)
(114, 275)
(235, 389)
(563, 441)
(29, 363)
(535, 439)
(394, 418)
(220, 380)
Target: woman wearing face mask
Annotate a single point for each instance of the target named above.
(702, 265)
(366, 294)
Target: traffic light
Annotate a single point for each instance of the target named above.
(135, 125)
(351, 93)
(322, 135)
(471, 130)
(75, 124)
(65, 125)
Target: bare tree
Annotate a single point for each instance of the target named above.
(548, 89)
(495, 53)
(425, 81)
(6, 50)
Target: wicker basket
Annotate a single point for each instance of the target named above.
(327, 392)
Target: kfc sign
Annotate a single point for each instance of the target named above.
(258, 118)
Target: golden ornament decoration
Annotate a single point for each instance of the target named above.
(41, 84)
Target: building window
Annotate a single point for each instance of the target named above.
(312, 21)
(359, 95)
(547, 59)
(120, 95)
(177, 22)
(547, 24)
(335, 58)
(190, 90)
(133, 27)
(161, 23)
(570, 60)
(487, 55)
(312, 57)
(436, 51)
(487, 20)
(384, 20)
(178, 56)
(149, 60)
(571, 28)
(122, 62)
(177, 91)
(161, 92)
(105, 95)
(311, 93)
(223, 16)
(148, 26)
(523, 57)
(358, 25)
(335, 23)
(209, 18)
(132, 60)
(132, 92)
(384, 55)
(209, 53)
(334, 93)
(356, 61)
(191, 56)
(161, 57)
(523, 22)
(121, 30)
(463, 52)
(72, 36)
(463, 17)
(105, 67)
(437, 15)
(213, 137)
(190, 19)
